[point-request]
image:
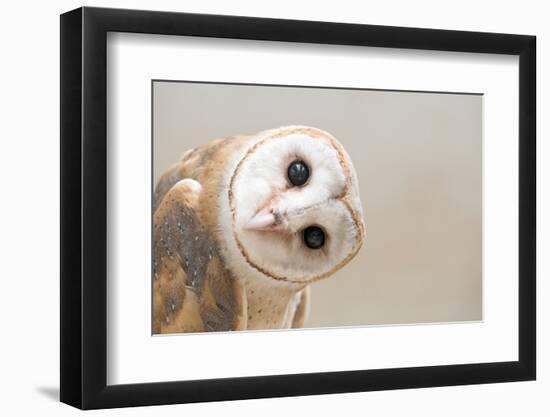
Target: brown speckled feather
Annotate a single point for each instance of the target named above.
(192, 291)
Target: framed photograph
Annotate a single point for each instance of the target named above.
(256, 208)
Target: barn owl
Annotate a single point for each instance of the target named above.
(243, 225)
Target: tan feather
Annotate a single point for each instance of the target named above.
(302, 310)
(192, 291)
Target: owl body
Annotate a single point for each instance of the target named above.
(243, 225)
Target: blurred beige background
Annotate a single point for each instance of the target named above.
(418, 159)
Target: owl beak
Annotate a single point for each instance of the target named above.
(265, 219)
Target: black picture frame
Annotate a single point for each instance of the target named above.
(84, 207)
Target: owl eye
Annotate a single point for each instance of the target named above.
(298, 173)
(314, 237)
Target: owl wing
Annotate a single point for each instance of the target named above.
(192, 290)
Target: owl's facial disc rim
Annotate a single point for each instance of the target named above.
(343, 197)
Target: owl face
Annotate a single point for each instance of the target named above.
(294, 205)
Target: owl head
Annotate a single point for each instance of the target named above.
(294, 213)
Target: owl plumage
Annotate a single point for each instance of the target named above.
(239, 232)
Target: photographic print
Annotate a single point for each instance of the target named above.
(365, 218)
(280, 207)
